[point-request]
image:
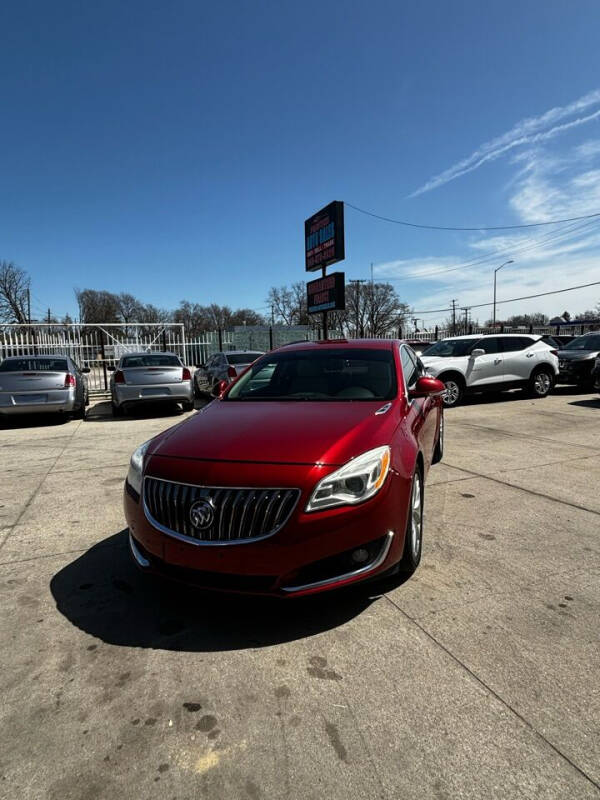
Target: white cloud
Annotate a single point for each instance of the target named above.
(546, 186)
(531, 130)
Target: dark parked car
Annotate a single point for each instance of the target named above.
(596, 374)
(43, 384)
(577, 359)
(305, 475)
(224, 366)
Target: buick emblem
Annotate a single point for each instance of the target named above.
(202, 514)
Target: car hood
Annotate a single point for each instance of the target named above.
(279, 432)
(577, 355)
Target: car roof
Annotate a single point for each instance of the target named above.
(39, 355)
(238, 352)
(150, 353)
(346, 344)
(484, 335)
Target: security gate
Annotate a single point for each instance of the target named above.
(98, 347)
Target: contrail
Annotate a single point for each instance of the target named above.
(527, 131)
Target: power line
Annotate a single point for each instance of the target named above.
(515, 299)
(533, 244)
(477, 228)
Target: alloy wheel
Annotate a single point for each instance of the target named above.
(542, 383)
(416, 516)
(452, 392)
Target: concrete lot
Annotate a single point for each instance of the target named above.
(477, 678)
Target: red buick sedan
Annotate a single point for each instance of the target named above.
(306, 474)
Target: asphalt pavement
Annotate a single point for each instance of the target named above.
(477, 678)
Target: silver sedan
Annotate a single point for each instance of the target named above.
(42, 384)
(150, 377)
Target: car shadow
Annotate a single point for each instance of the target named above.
(104, 594)
(591, 403)
(18, 421)
(102, 411)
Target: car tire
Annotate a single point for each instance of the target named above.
(79, 413)
(87, 399)
(117, 411)
(188, 406)
(438, 452)
(455, 389)
(541, 382)
(413, 537)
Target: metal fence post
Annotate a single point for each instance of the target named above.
(103, 360)
(220, 340)
(270, 337)
(164, 341)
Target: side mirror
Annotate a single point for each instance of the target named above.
(86, 370)
(477, 352)
(427, 387)
(221, 386)
(110, 367)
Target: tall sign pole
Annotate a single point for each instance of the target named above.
(324, 245)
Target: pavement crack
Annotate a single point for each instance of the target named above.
(36, 491)
(527, 491)
(520, 435)
(492, 692)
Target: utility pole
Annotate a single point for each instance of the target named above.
(49, 318)
(28, 306)
(358, 282)
(454, 302)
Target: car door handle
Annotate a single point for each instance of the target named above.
(497, 361)
(530, 355)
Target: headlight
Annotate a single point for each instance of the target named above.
(136, 467)
(356, 481)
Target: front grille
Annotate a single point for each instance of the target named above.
(238, 515)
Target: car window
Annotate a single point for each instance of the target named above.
(590, 341)
(410, 368)
(447, 348)
(511, 344)
(34, 365)
(242, 358)
(491, 344)
(344, 374)
(150, 360)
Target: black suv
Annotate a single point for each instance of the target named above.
(576, 360)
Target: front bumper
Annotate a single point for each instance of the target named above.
(312, 553)
(573, 372)
(182, 392)
(55, 401)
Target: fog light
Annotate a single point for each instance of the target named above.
(360, 556)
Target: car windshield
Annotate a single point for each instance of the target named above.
(449, 347)
(242, 358)
(591, 341)
(150, 360)
(339, 375)
(34, 365)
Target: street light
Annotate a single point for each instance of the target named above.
(495, 271)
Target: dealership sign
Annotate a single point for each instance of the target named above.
(326, 294)
(324, 237)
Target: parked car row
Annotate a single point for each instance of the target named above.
(497, 362)
(465, 364)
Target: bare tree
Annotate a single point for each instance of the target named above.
(97, 306)
(14, 285)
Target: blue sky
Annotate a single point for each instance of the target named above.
(173, 150)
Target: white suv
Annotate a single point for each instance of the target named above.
(492, 363)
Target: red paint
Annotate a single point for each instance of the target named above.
(294, 444)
